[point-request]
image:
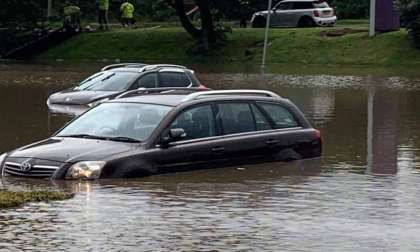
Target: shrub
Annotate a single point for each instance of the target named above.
(351, 8)
(410, 17)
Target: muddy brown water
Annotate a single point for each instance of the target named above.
(363, 195)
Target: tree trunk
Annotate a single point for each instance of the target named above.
(206, 36)
(185, 20)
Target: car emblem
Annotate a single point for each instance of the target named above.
(25, 166)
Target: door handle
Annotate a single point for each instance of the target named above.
(272, 142)
(217, 149)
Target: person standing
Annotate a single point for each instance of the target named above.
(127, 14)
(103, 14)
(72, 17)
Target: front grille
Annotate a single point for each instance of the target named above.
(38, 171)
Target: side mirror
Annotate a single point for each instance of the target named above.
(174, 135)
(274, 9)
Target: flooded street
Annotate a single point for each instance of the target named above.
(362, 196)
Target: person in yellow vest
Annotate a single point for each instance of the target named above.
(127, 14)
(103, 14)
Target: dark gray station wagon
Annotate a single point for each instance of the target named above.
(170, 131)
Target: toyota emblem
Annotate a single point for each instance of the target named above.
(25, 166)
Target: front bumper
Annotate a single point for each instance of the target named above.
(72, 110)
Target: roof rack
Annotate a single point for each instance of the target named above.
(198, 95)
(133, 65)
(144, 91)
(151, 67)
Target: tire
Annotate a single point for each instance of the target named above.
(259, 23)
(306, 22)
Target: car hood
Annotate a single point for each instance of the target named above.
(71, 150)
(261, 13)
(80, 97)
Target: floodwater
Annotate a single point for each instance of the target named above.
(363, 195)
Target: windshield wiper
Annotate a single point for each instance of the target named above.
(119, 138)
(85, 136)
(108, 77)
(124, 139)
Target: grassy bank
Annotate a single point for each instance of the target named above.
(15, 199)
(346, 44)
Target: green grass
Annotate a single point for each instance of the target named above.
(287, 46)
(15, 199)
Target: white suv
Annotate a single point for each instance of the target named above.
(297, 13)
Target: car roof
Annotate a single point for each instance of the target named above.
(179, 97)
(288, 1)
(172, 100)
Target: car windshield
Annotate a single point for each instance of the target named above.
(321, 4)
(107, 81)
(131, 122)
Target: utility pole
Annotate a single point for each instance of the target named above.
(267, 27)
(372, 24)
(49, 10)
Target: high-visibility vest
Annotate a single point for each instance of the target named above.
(127, 10)
(104, 4)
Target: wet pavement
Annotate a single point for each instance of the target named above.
(362, 195)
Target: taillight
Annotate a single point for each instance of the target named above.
(316, 13)
(318, 134)
(202, 87)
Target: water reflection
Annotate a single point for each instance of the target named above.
(382, 131)
(369, 125)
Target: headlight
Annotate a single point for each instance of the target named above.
(93, 104)
(85, 170)
(2, 157)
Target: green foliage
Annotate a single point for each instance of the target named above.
(156, 10)
(410, 14)
(21, 13)
(15, 199)
(351, 8)
(288, 46)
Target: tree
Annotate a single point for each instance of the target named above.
(21, 13)
(210, 31)
(410, 15)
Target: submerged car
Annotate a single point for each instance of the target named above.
(114, 80)
(297, 13)
(170, 131)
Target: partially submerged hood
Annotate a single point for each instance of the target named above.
(80, 97)
(70, 150)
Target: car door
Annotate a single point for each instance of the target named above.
(244, 131)
(290, 140)
(198, 149)
(148, 80)
(174, 79)
(281, 14)
(299, 10)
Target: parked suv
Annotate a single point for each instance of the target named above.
(170, 131)
(113, 80)
(297, 13)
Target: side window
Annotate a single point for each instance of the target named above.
(280, 116)
(261, 122)
(197, 122)
(302, 5)
(174, 79)
(236, 118)
(283, 6)
(146, 81)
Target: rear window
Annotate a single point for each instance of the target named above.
(321, 4)
(174, 79)
(302, 5)
(281, 116)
